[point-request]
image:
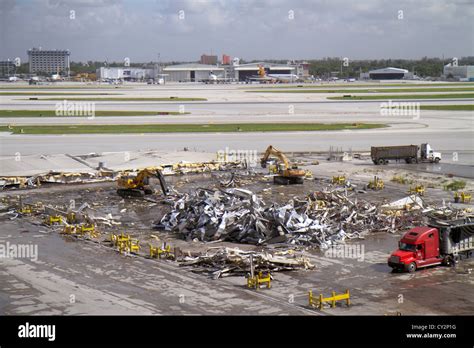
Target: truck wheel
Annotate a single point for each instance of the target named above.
(408, 160)
(381, 161)
(436, 160)
(385, 161)
(448, 261)
(411, 267)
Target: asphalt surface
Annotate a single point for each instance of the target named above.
(448, 132)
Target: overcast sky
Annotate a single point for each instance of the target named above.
(250, 29)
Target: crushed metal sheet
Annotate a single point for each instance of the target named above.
(237, 215)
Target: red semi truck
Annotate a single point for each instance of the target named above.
(442, 242)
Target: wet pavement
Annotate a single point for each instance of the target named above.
(72, 276)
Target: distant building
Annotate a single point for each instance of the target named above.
(193, 72)
(210, 60)
(462, 72)
(125, 73)
(302, 69)
(387, 74)
(244, 71)
(49, 61)
(7, 68)
(226, 60)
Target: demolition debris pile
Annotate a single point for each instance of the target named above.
(238, 215)
(224, 261)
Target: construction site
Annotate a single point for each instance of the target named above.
(240, 221)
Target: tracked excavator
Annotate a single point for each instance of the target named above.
(287, 174)
(138, 186)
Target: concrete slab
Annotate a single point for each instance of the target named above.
(141, 159)
(19, 165)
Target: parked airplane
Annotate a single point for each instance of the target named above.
(272, 78)
(284, 77)
(213, 78)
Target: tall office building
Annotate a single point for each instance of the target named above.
(49, 61)
(211, 60)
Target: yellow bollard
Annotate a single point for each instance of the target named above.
(332, 300)
(71, 218)
(52, 219)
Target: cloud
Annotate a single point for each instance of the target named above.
(245, 28)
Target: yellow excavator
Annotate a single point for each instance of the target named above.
(138, 186)
(287, 174)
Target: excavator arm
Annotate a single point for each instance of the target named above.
(277, 153)
(287, 175)
(138, 185)
(164, 187)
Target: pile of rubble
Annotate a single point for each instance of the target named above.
(232, 261)
(104, 175)
(238, 215)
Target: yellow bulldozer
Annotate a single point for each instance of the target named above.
(139, 185)
(287, 174)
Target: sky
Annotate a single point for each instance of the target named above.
(182, 30)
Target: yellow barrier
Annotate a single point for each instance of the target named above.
(81, 230)
(52, 219)
(133, 245)
(464, 197)
(376, 184)
(87, 228)
(256, 281)
(71, 218)
(157, 251)
(124, 243)
(339, 180)
(26, 209)
(69, 229)
(319, 304)
(418, 189)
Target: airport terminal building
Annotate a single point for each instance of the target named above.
(245, 71)
(192, 72)
(461, 72)
(386, 74)
(125, 73)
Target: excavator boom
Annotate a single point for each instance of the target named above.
(287, 175)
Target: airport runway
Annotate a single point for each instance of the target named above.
(446, 141)
(248, 112)
(446, 131)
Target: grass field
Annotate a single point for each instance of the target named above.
(54, 93)
(409, 96)
(361, 85)
(187, 128)
(466, 107)
(126, 99)
(52, 113)
(379, 90)
(54, 86)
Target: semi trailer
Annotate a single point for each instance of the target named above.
(441, 242)
(407, 153)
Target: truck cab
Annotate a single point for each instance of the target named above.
(418, 248)
(428, 154)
